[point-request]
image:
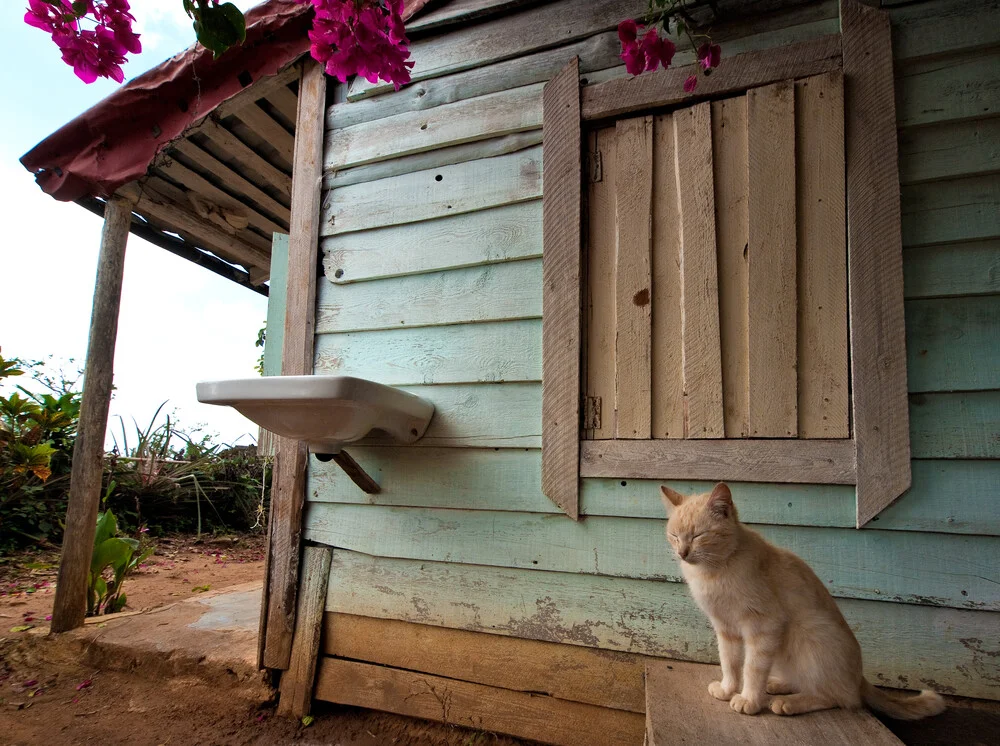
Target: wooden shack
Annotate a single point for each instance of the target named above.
(787, 279)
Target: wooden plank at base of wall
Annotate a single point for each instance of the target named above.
(958, 425)
(434, 193)
(481, 479)
(953, 270)
(772, 384)
(699, 274)
(904, 645)
(569, 672)
(633, 280)
(877, 565)
(729, 158)
(491, 292)
(494, 352)
(522, 714)
(297, 682)
(679, 711)
(951, 344)
(823, 374)
(490, 236)
(667, 363)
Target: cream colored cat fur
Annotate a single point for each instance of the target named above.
(783, 642)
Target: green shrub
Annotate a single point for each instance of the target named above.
(114, 559)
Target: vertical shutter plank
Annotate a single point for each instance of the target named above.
(699, 274)
(561, 275)
(667, 360)
(729, 139)
(771, 320)
(601, 280)
(875, 247)
(634, 185)
(824, 394)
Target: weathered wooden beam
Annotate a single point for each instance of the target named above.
(288, 492)
(88, 451)
(751, 460)
(875, 267)
(297, 682)
(666, 87)
(269, 130)
(246, 155)
(561, 274)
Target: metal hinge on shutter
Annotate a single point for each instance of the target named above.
(591, 413)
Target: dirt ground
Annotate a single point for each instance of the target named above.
(48, 697)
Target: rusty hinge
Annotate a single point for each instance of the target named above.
(594, 167)
(591, 413)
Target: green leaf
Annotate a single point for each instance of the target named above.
(22, 628)
(308, 720)
(107, 527)
(220, 27)
(113, 552)
(79, 7)
(200, 588)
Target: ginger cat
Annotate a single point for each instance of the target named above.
(783, 642)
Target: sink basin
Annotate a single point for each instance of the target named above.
(324, 411)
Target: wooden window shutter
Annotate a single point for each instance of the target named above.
(721, 241)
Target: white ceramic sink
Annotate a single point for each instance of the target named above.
(325, 411)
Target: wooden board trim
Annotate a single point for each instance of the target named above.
(561, 289)
(522, 714)
(297, 682)
(604, 678)
(666, 87)
(752, 460)
(288, 482)
(875, 264)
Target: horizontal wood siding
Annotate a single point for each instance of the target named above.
(904, 645)
(432, 257)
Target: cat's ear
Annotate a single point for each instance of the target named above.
(720, 502)
(671, 499)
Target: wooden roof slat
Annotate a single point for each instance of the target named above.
(262, 88)
(167, 216)
(180, 173)
(268, 130)
(247, 155)
(232, 179)
(286, 102)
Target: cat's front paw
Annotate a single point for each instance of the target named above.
(746, 705)
(717, 690)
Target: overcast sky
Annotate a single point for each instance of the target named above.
(179, 323)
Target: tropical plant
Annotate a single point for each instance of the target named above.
(114, 559)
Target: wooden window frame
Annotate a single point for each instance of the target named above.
(876, 458)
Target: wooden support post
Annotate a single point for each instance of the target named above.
(288, 490)
(297, 682)
(88, 451)
(358, 475)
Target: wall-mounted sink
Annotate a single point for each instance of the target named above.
(324, 411)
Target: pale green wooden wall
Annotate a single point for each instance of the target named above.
(433, 221)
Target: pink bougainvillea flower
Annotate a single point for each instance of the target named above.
(85, 684)
(690, 84)
(658, 51)
(48, 617)
(628, 30)
(709, 55)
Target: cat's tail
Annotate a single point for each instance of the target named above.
(923, 705)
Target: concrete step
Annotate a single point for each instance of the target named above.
(679, 710)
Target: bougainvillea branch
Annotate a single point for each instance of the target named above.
(644, 49)
(349, 37)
